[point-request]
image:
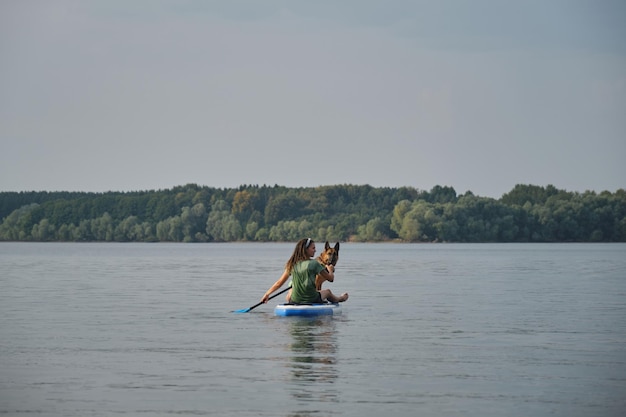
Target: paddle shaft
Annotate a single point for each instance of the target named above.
(275, 295)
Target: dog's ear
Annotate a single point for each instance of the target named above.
(337, 246)
(327, 245)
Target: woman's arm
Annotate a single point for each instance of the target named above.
(283, 278)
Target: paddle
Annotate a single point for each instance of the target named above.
(245, 310)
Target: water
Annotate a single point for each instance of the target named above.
(429, 330)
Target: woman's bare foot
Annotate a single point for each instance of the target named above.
(327, 294)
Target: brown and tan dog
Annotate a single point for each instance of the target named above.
(329, 256)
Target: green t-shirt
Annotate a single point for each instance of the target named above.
(303, 281)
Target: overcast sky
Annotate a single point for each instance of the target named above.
(478, 95)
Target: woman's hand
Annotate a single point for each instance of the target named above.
(328, 273)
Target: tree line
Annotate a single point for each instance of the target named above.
(193, 213)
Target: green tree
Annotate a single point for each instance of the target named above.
(284, 207)
(534, 194)
(43, 231)
(399, 213)
(102, 228)
(374, 230)
(439, 194)
(193, 222)
(170, 230)
(12, 228)
(124, 230)
(222, 225)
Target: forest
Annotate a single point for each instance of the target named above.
(356, 213)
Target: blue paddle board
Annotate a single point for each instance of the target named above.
(325, 309)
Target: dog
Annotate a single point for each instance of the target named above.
(329, 256)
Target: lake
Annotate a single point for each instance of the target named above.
(101, 329)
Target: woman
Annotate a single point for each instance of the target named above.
(303, 270)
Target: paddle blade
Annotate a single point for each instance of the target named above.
(243, 310)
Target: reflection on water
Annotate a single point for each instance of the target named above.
(312, 360)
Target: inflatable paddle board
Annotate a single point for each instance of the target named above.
(325, 309)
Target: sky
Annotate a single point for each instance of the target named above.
(480, 95)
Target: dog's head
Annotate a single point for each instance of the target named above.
(330, 255)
